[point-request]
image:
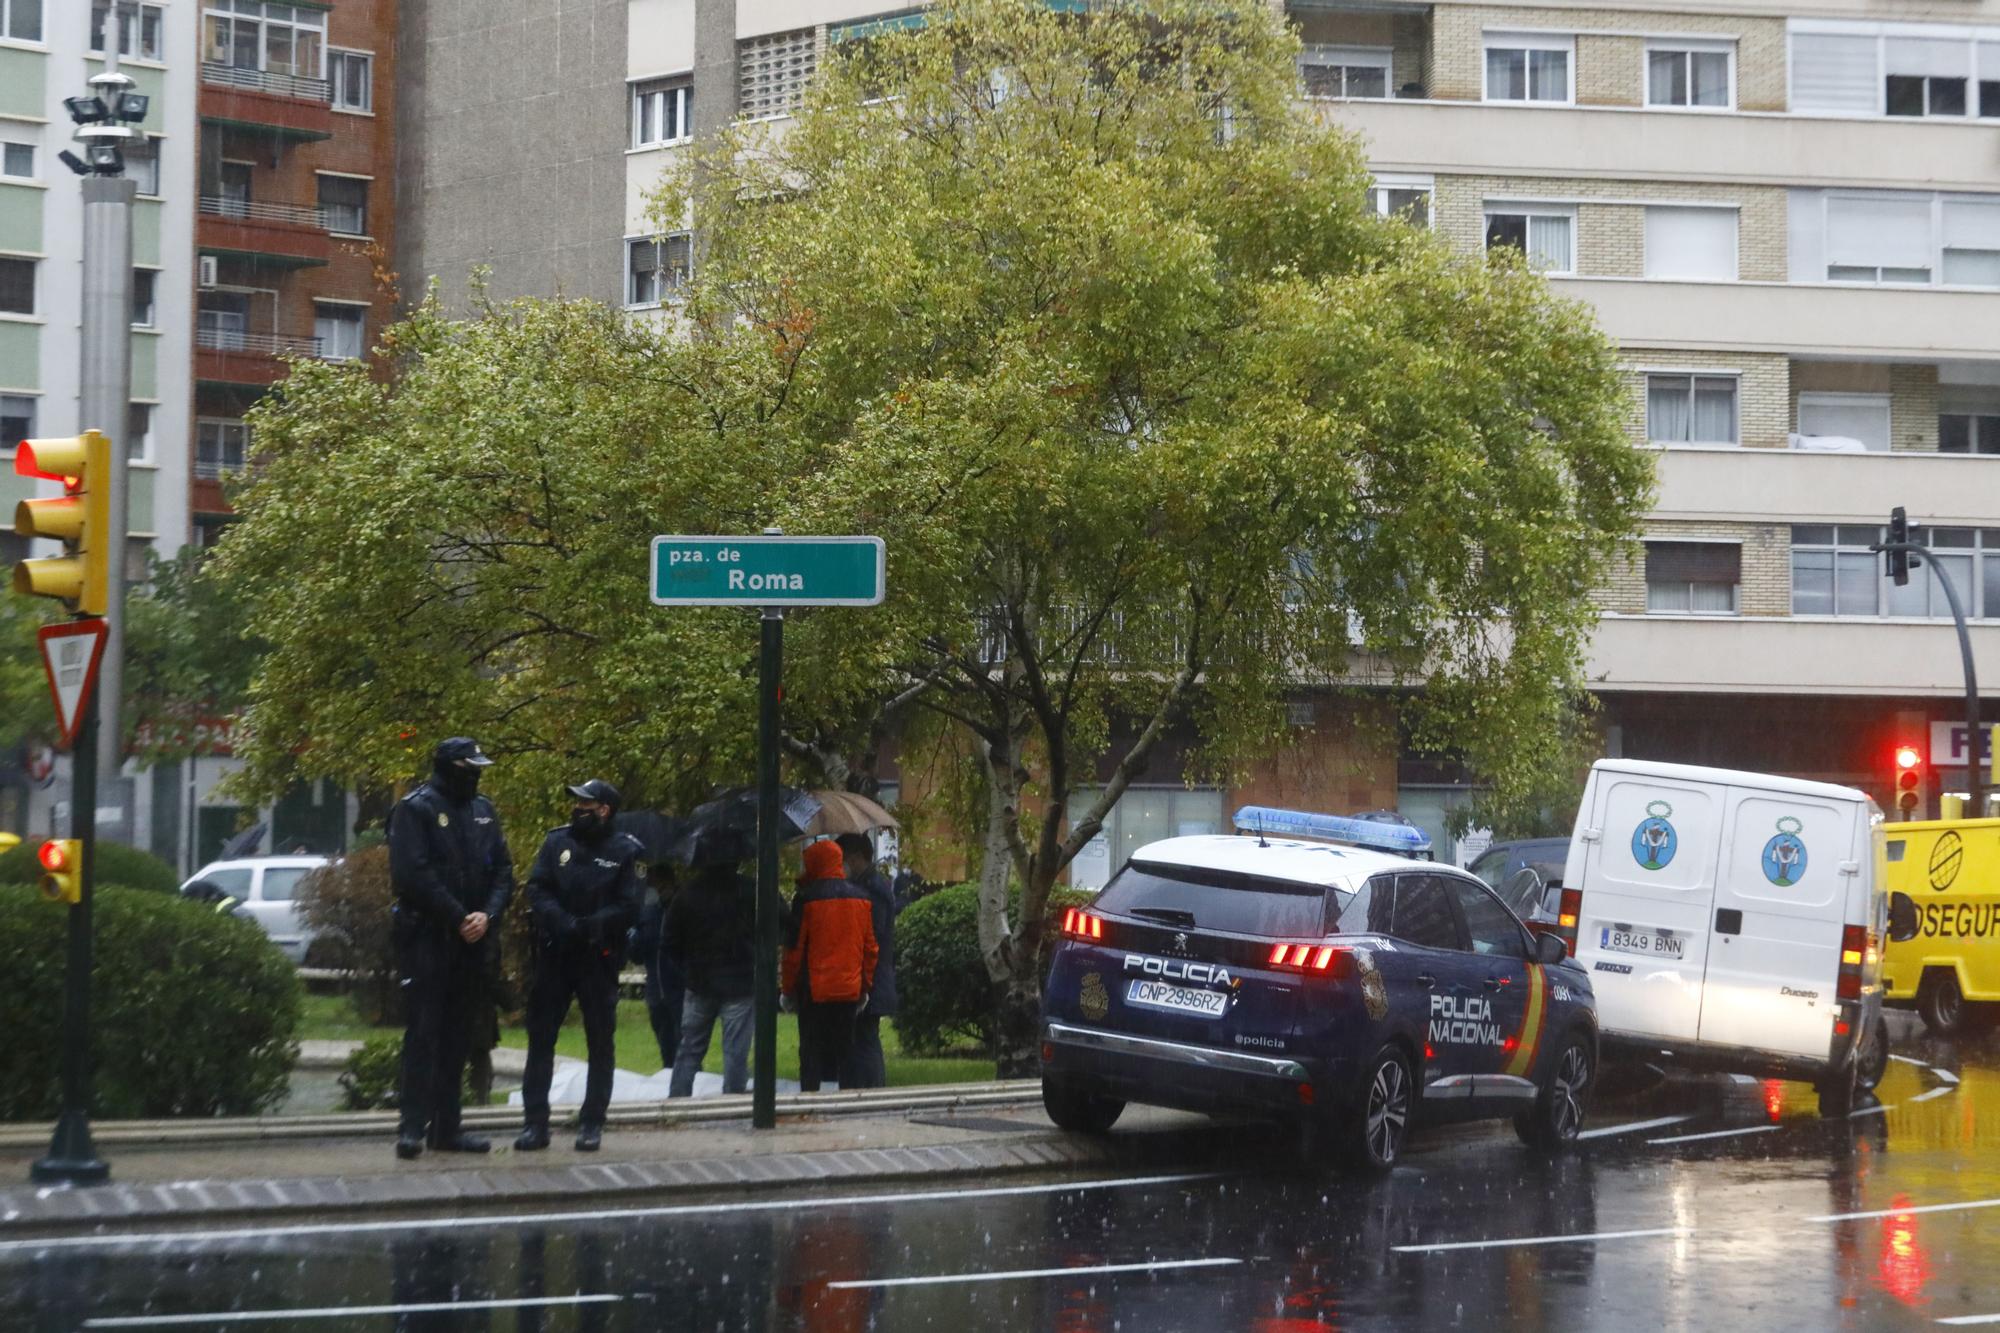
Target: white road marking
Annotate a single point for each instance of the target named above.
(1909, 1060)
(595, 1215)
(1717, 1134)
(1944, 1074)
(338, 1312)
(1154, 1266)
(1875, 1110)
(1634, 1127)
(1934, 1092)
(1898, 1212)
(1519, 1241)
(1972, 1319)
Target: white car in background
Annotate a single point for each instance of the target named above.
(267, 887)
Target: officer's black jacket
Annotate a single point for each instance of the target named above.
(585, 891)
(447, 858)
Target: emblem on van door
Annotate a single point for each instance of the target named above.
(1654, 842)
(1946, 855)
(1784, 855)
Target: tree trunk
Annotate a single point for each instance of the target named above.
(995, 869)
(1017, 1015)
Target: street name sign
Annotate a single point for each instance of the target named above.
(71, 652)
(770, 571)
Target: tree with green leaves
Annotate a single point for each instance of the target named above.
(1092, 319)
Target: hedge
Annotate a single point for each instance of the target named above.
(192, 1012)
(944, 998)
(116, 864)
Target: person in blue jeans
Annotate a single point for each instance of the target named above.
(708, 935)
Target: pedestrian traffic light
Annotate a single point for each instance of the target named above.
(62, 870)
(1909, 779)
(79, 518)
(1899, 533)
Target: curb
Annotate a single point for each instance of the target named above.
(680, 1111)
(106, 1211)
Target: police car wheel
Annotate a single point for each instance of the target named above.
(1941, 1004)
(1078, 1109)
(1565, 1097)
(1381, 1119)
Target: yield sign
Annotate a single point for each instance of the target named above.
(71, 652)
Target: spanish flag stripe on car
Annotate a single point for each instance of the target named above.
(1530, 1039)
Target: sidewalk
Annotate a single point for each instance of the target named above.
(900, 1136)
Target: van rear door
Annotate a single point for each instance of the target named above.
(1649, 857)
(1780, 903)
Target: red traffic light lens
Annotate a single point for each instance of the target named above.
(53, 858)
(1907, 756)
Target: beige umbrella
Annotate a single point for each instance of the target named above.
(847, 812)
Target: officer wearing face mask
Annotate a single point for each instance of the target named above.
(584, 894)
(453, 878)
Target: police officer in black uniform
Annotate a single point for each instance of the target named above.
(584, 894)
(452, 876)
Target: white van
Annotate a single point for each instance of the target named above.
(1732, 921)
(266, 886)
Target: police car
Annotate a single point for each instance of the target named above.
(1312, 967)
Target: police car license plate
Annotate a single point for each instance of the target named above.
(1645, 941)
(1180, 999)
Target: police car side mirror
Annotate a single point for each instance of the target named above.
(1550, 949)
(1902, 918)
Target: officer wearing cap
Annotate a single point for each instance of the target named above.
(452, 877)
(583, 896)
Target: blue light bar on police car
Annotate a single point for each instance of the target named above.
(1396, 839)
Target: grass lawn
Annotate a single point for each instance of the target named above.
(331, 1018)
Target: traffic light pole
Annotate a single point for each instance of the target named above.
(1975, 734)
(104, 399)
(72, 1158)
(770, 662)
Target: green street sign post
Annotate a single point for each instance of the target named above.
(770, 571)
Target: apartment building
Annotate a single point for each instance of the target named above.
(1788, 217)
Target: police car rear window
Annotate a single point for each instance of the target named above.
(1218, 900)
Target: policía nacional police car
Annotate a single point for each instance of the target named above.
(1312, 967)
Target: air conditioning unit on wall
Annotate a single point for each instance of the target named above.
(206, 273)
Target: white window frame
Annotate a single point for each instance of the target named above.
(144, 458)
(219, 469)
(358, 309)
(1646, 256)
(240, 14)
(1505, 208)
(1726, 46)
(680, 87)
(337, 79)
(1883, 33)
(1529, 42)
(138, 14)
(152, 320)
(34, 313)
(1350, 57)
(34, 159)
(669, 295)
(1827, 398)
(36, 43)
(34, 400)
(1937, 200)
(1690, 374)
(367, 207)
(1381, 185)
(1735, 589)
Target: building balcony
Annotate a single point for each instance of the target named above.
(1850, 323)
(1749, 148)
(228, 356)
(291, 235)
(282, 105)
(1783, 655)
(1783, 486)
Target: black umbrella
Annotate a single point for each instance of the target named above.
(243, 844)
(657, 833)
(723, 831)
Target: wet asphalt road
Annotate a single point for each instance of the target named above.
(1742, 1210)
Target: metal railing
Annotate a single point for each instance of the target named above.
(216, 469)
(234, 340)
(302, 215)
(217, 74)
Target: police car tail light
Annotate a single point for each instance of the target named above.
(1853, 943)
(1294, 956)
(1082, 925)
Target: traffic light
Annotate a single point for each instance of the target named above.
(1899, 561)
(62, 870)
(1909, 780)
(79, 518)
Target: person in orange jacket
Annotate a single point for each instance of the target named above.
(830, 966)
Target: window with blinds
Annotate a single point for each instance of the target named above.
(1693, 578)
(774, 71)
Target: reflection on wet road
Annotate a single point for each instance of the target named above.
(1728, 1204)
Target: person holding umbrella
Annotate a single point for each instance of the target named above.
(583, 896)
(453, 878)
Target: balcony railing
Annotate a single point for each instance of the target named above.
(272, 344)
(282, 85)
(250, 210)
(209, 469)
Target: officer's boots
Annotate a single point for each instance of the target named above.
(533, 1139)
(589, 1137)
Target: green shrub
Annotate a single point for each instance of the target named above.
(368, 1079)
(116, 864)
(192, 1013)
(944, 998)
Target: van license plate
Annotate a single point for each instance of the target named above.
(1646, 942)
(1180, 999)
